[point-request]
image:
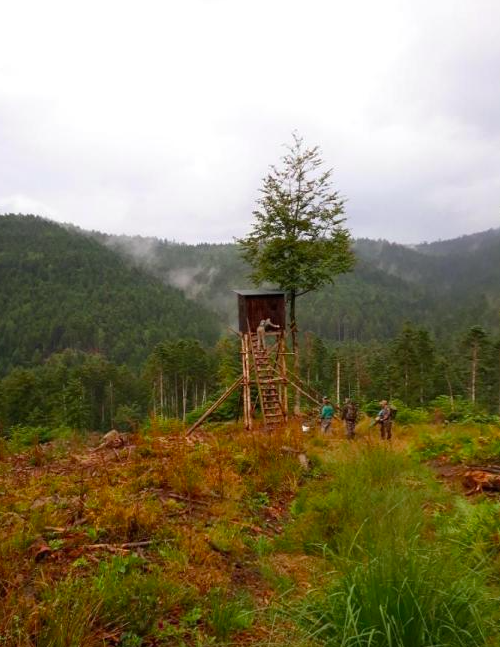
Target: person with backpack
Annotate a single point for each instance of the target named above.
(349, 415)
(384, 419)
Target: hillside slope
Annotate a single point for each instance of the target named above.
(60, 289)
(447, 292)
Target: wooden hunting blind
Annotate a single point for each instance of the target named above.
(255, 305)
(265, 377)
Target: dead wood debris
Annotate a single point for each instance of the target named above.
(480, 479)
(301, 456)
(118, 547)
(112, 440)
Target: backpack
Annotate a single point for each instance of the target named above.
(394, 412)
(352, 411)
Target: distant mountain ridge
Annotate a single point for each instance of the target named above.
(462, 244)
(64, 287)
(445, 285)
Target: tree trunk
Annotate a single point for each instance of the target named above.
(499, 384)
(161, 393)
(176, 397)
(473, 374)
(450, 389)
(358, 379)
(184, 397)
(308, 358)
(295, 350)
(338, 381)
(111, 405)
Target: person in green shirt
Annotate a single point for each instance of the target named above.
(327, 413)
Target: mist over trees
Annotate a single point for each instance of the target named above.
(91, 339)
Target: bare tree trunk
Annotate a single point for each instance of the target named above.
(184, 384)
(499, 384)
(473, 374)
(161, 393)
(111, 405)
(295, 350)
(176, 398)
(358, 380)
(450, 390)
(338, 381)
(308, 357)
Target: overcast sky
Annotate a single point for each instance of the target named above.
(161, 117)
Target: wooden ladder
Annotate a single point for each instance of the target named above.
(267, 384)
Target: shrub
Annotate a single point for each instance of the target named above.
(132, 596)
(461, 410)
(22, 436)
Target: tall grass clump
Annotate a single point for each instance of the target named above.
(229, 615)
(395, 581)
(69, 616)
(412, 599)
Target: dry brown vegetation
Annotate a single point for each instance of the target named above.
(229, 537)
(148, 541)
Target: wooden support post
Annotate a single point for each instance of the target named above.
(247, 397)
(283, 371)
(217, 404)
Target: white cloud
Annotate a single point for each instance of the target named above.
(25, 204)
(160, 118)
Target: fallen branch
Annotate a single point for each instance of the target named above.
(179, 497)
(112, 547)
(492, 469)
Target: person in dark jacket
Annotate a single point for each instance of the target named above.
(349, 415)
(384, 419)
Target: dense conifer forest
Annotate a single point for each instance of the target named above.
(98, 331)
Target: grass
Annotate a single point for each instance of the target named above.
(396, 579)
(411, 599)
(229, 615)
(242, 545)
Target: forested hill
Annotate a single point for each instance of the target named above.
(62, 289)
(447, 286)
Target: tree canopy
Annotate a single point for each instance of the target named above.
(298, 240)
